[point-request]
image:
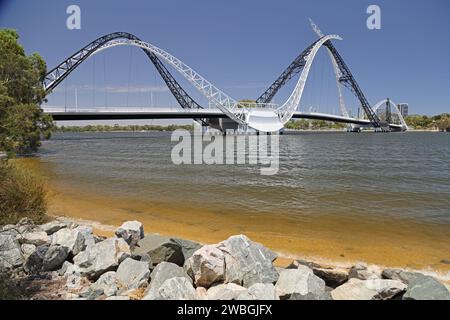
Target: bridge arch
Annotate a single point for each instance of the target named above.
(396, 110)
(261, 116)
(56, 75)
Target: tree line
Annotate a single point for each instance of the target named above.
(116, 127)
(439, 122)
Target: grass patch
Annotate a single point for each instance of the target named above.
(22, 194)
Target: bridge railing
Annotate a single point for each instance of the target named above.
(131, 109)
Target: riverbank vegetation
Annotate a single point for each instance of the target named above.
(420, 122)
(22, 122)
(116, 127)
(22, 194)
(313, 125)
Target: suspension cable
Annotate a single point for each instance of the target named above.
(93, 82)
(129, 73)
(65, 95)
(104, 80)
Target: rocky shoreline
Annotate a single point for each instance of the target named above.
(64, 259)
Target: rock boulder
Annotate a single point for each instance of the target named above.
(159, 249)
(161, 273)
(426, 288)
(259, 291)
(36, 238)
(53, 226)
(372, 289)
(363, 272)
(10, 253)
(247, 262)
(70, 238)
(107, 283)
(228, 291)
(187, 247)
(178, 288)
(131, 232)
(132, 274)
(206, 266)
(302, 283)
(102, 257)
(35, 261)
(54, 258)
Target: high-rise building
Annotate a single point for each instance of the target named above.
(403, 108)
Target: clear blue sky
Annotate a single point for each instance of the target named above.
(242, 46)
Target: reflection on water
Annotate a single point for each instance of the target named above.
(380, 197)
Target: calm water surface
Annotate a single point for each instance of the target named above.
(348, 189)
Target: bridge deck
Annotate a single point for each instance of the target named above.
(185, 114)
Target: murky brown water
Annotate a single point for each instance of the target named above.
(380, 198)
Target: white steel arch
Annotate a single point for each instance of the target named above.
(383, 102)
(260, 116)
(288, 108)
(337, 71)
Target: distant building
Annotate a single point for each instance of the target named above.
(403, 108)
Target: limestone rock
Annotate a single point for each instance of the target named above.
(259, 291)
(426, 288)
(206, 266)
(133, 274)
(35, 261)
(91, 293)
(228, 291)
(161, 273)
(36, 238)
(10, 253)
(420, 286)
(131, 232)
(178, 288)
(74, 281)
(247, 262)
(72, 239)
(187, 247)
(332, 277)
(372, 289)
(302, 282)
(401, 275)
(25, 225)
(53, 226)
(363, 272)
(54, 258)
(68, 269)
(294, 264)
(102, 257)
(107, 283)
(160, 249)
(87, 233)
(27, 249)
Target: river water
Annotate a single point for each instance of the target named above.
(379, 198)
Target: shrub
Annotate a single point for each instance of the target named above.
(22, 194)
(9, 290)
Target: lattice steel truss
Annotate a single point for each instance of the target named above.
(60, 72)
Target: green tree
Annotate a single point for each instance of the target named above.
(443, 123)
(22, 122)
